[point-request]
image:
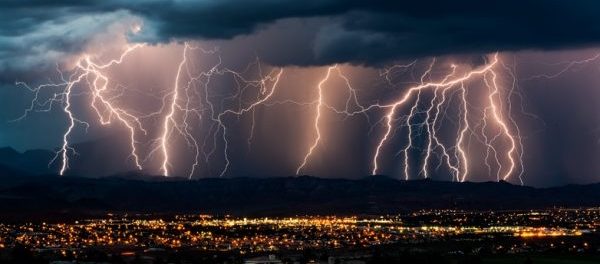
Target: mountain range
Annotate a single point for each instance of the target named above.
(29, 189)
(41, 196)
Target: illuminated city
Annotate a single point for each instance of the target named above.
(512, 232)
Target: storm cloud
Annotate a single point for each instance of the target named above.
(360, 32)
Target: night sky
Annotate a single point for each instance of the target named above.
(548, 67)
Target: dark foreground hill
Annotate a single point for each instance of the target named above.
(40, 196)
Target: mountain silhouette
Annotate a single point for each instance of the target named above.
(25, 196)
(91, 160)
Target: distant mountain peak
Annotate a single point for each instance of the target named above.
(8, 150)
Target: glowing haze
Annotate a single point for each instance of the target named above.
(321, 88)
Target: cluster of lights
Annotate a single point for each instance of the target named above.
(294, 233)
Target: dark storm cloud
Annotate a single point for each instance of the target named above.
(379, 31)
(426, 28)
(368, 32)
(34, 38)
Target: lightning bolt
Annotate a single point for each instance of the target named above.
(432, 131)
(169, 122)
(568, 65)
(459, 165)
(89, 72)
(242, 110)
(352, 101)
(461, 139)
(317, 119)
(498, 118)
(410, 132)
(179, 106)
